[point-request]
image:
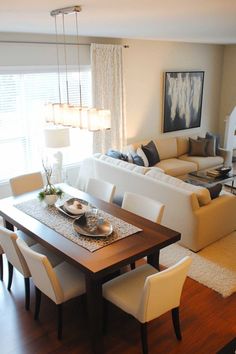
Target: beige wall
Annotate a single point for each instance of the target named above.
(145, 62)
(228, 93)
(144, 65)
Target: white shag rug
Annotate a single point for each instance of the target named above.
(214, 266)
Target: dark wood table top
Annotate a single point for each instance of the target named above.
(105, 260)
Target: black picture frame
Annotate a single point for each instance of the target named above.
(183, 100)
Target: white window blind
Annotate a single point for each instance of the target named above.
(22, 99)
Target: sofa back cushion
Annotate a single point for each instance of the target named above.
(167, 148)
(203, 194)
(123, 164)
(182, 145)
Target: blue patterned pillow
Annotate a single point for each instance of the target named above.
(117, 155)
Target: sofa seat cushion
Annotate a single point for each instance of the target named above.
(203, 162)
(176, 167)
(203, 194)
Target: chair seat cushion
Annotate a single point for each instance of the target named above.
(129, 300)
(176, 167)
(71, 279)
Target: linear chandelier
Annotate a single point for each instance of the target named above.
(65, 113)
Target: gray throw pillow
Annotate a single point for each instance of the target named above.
(197, 147)
(151, 153)
(210, 146)
(217, 139)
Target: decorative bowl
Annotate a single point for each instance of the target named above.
(223, 171)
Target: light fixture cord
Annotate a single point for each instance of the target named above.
(80, 88)
(58, 65)
(65, 56)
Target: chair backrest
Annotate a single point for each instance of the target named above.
(143, 206)
(101, 189)
(162, 291)
(43, 275)
(14, 256)
(26, 183)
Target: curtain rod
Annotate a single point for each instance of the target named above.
(62, 43)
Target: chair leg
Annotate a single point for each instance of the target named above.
(10, 275)
(176, 323)
(144, 337)
(59, 321)
(27, 293)
(1, 265)
(132, 265)
(37, 303)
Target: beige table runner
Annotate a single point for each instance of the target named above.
(52, 217)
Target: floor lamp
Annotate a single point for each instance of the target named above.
(56, 138)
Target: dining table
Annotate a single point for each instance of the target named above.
(97, 265)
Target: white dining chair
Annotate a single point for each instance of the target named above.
(15, 259)
(1, 263)
(101, 189)
(26, 183)
(143, 206)
(60, 284)
(146, 294)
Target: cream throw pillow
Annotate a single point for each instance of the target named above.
(143, 156)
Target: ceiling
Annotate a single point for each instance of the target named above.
(204, 21)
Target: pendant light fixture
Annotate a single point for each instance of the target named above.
(65, 113)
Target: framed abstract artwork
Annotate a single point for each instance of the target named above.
(183, 100)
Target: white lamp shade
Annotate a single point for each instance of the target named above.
(99, 119)
(57, 137)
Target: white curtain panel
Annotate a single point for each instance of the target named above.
(108, 93)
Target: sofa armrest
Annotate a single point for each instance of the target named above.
(215, 220)
(227, 156)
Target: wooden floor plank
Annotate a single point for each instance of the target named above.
(208, 322)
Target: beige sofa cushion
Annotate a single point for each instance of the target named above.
(176, 167)
(203, 194)
(167, 148)
(182, 145)
(203, 162)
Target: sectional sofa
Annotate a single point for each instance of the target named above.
(188, 208)
(174, 157)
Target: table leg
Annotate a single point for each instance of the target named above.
(95, 313)
(153, 259)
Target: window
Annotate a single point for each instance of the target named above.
(22, 99)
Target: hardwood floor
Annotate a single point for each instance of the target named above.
(208, 322)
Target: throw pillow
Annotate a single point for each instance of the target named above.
(137, 160)
(151, 152)
(215, 190)
(197, 147)
(141, 153)
(117, 155)
(210, 146)
(217, 140)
